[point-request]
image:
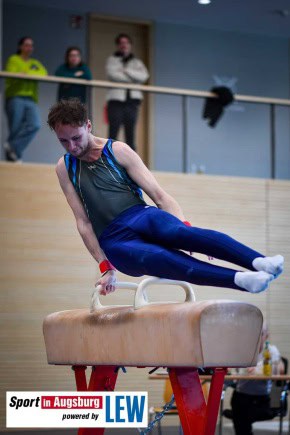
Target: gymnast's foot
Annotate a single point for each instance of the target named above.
(253, 282)
(273, 265)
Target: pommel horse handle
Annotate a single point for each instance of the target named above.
(141, 298)
(141, 295)
(95, 302)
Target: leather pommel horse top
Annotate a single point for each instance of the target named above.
(215, 333)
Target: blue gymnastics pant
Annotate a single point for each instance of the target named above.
(145, 240)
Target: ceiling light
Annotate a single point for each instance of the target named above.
(204, 2)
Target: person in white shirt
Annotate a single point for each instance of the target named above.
(123, 104)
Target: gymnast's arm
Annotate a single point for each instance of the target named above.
(84, 226)
(145, 179)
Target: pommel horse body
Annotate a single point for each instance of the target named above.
(183, 337)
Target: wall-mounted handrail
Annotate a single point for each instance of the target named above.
(184, 93)
(145, 88)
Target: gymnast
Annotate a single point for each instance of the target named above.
(103, 180)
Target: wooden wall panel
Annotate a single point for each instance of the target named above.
(44, 266)
(278, 239)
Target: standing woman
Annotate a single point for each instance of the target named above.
(76, 69)
(21, 97)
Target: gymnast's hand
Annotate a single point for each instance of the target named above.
(107, 281)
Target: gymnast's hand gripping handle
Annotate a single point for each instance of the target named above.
(95, 302)
(141, 295)
(141, 299)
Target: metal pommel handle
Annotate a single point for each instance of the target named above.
(95, 302)
(141, 295)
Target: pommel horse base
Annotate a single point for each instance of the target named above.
(180, 336)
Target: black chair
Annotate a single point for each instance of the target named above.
(278, 401)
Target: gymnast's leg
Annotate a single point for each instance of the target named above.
(160, 227)
(136, 257)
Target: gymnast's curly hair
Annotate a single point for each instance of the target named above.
(67, 112)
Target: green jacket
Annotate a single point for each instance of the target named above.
(68, 90)
(22, 87)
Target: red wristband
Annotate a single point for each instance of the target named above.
(105, 265)
(187, 223)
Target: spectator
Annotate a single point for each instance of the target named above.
(76, 69)
(123, 104)
(251, 399)
(21, 97)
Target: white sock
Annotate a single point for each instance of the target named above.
(273, 265)
(254, 282)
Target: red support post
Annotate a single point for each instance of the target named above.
(189, 399)
(91, 431)
(103, 378)
(80, 377)
(214, 398)
(197, 417)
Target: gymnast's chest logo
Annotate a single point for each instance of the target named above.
(91, 167)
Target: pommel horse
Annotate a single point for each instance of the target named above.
(183, 337)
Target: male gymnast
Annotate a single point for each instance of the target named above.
(103, 180)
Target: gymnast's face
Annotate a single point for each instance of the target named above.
(75, 139)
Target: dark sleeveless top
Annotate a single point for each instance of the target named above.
(104, 187)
